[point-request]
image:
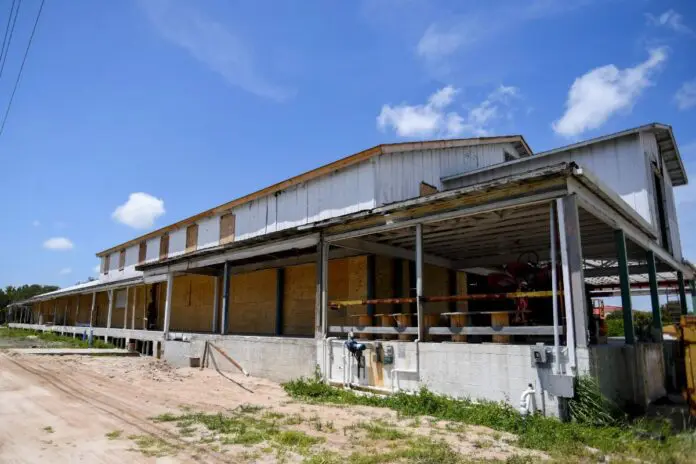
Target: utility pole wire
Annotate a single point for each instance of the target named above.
(7, 28)
(21, 68)
(9, 39)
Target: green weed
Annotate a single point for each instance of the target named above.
(113, 435)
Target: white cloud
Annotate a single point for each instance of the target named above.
(599, 94)
(433, 118)
(97, 269)
(211, 43)
(670, 19)
(65, 271)
(58, 243)
(686, 95)
(35, 223)
(140, 211)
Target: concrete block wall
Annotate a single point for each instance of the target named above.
(493, 372)
(275, 358)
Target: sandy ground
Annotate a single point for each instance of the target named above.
(60, 409)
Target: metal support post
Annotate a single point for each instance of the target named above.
(108, 316)
(419, 281)
(682, 293)
(225, 298)
(654, 296)
(216, 303)
(168, 305)
(629, 333)
(280, 295)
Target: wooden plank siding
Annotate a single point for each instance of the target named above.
(191, 238)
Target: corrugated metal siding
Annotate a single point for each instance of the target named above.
(177, 242)
(208, 232)
(621, 165)
(399, 174)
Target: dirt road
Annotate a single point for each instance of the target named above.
(83, 409)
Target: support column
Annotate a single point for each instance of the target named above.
(692, 287)
(419, 281)
(216, 303)
(168, 305)
(620, 239)
(225, 298)
(77, 309)
(371, 284)
(91, 311)
(682, 293)
(554, 290)
(135, 301)
(125, 309)
(280, 295)
(108, 317)
(654, 297)
(321, 311)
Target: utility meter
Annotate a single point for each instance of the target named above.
(388, 354)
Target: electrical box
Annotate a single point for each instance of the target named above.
(539, 355)
(388, 354)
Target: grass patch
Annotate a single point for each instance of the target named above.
(537, 432)
(379, 431)
(51, 338)
(152, 446)
(242, 427)
(48, 429)
(113, 435)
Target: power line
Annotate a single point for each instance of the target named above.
(9, 39)
(7, 28)
(21, 68)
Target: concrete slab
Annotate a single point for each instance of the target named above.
(73, 352)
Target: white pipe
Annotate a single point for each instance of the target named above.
(570, 329)
(168, 305)
(554, 293)
(419, 280)
(327, 355)
(108, 317)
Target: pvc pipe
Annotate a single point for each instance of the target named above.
(554, 291)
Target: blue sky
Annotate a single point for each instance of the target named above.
(197, 103)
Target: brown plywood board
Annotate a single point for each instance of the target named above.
(192, 303)
(299, 300)
(252, 302)
(191, 238)
(227, 225)
(435, 283)
(347, 281)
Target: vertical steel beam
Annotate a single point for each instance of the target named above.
(109, 313)
(225, 298)
(168, 305)
(682, 293)
(91, 311)
(692, 287)
(216, 303)
(419, 281)
(371, 283)
(622, 256)
(554, 290)
(574, 298)
(280, 296)
(654, 295)
(325, 249)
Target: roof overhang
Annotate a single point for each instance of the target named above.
(80, 289)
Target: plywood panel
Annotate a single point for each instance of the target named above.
(347, 280)
(142, 252)
(227, 227)
(164, 246)
(192, 303)
(101, 309)
(384, 279)
(299, 300)
(191, 238)
(435, 283)
(252, 302)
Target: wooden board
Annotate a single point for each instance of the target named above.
(121, 260)
(384, 274)
(227, 226)
(191, 238)
(142, 252)
(192, 303)
(435, 282)
(299, 300)
(164, 246)
(347, 280)
(252, 302)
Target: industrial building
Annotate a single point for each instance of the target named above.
(468, 266)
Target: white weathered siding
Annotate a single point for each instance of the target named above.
(344, 192)
(399, 174)
(113, 261)
(152, 250)
(209, 232)
(132, 256)
(128, 270)
(622, 165)
(177, 242)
